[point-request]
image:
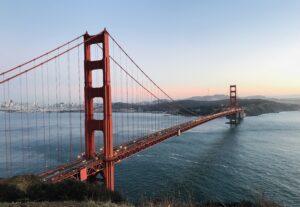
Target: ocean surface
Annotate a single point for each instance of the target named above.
(258, 158)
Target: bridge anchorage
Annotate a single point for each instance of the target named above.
(133, 115)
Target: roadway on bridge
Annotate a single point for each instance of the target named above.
(73, 170)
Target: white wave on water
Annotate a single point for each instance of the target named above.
(185, 160)
(138, 155)
(190, 161)
(177, 155)
(174, 158)
(194, 162)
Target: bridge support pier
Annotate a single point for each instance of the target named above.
(235, 119)
(90, 92)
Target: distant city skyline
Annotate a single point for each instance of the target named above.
(190, 48)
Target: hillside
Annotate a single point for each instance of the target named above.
(253, 107)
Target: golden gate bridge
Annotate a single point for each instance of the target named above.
(77, 110)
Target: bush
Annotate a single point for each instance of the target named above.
(71, 190)
(10, 193)
(68, 190)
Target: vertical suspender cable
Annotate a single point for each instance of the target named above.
(22, 127)
(27, 122)
(43, 117)
(9, 129)
(133, 106)
(35, 115)
(70, 105)
(137, 105)
(156, 109)
(5, 130)
(49, 118)
(60, 115)
(127, 103)
(122, 101)
(114, 86)
(80, 109)
(145, 116)
(57, 108)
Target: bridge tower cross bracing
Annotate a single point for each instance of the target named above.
(104, 92)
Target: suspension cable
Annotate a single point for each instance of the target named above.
(122, 68)
(47, 53)
(48, 60)
(121, 48)
(79, 99)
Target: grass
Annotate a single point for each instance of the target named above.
(144, 204)
(29, 188)
(65, 204)
(21, 182)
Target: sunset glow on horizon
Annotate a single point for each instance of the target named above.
(190, 48)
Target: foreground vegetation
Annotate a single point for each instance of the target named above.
(146, 204)
(66, 204)
(29, 191)
(30, 188)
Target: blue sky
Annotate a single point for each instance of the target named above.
(187, 47)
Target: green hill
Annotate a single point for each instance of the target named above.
(252, 107)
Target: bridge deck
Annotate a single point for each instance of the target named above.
(96, 165)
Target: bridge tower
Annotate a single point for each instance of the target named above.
(233, 119)
(104, 92)
(233, 103)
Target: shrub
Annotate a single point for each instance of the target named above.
(71, 190)
(10, 193)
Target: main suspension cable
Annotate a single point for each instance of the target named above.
(34, 59)
(48, 60)
(121, 48)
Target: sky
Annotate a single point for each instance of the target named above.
(189, 47)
